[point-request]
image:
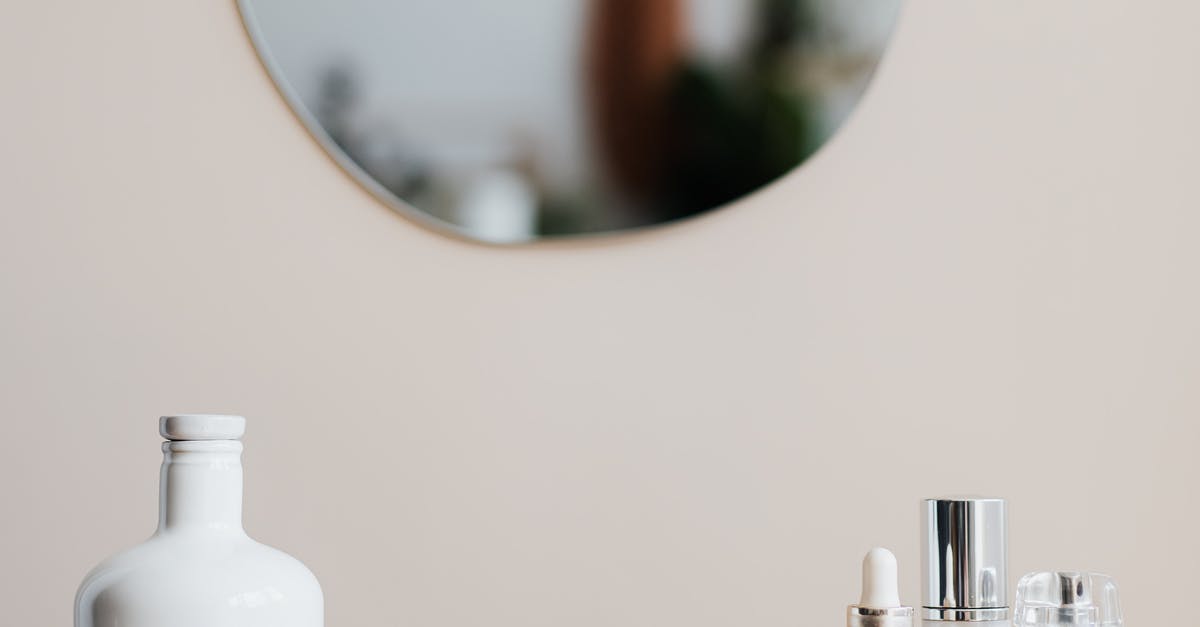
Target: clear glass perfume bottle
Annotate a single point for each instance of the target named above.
(1067, 598)
(200, 569)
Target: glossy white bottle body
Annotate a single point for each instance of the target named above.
(200, 569)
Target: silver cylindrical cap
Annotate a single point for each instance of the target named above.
(964, 559)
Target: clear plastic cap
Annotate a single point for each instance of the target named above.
(1067, 598)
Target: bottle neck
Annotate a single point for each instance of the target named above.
(201, 486)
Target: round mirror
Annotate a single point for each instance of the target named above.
(509, 122)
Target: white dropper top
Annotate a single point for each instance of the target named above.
(880, 603)
(880, 580)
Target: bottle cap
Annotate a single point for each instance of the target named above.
(880, 602)
(965, 559)
(1049, 599)
(188, 427)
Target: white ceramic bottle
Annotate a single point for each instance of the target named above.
(200, 569)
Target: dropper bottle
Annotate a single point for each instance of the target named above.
(880, 603)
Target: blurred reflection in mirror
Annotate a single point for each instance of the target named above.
(508, 122)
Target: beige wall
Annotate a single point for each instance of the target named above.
(987, 283)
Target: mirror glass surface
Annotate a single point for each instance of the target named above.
(511, 121)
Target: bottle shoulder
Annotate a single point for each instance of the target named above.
(203, 575)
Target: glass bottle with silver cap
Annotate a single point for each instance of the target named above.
(964, 561)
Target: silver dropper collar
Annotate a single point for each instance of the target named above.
(858, 616)
(964, 559)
